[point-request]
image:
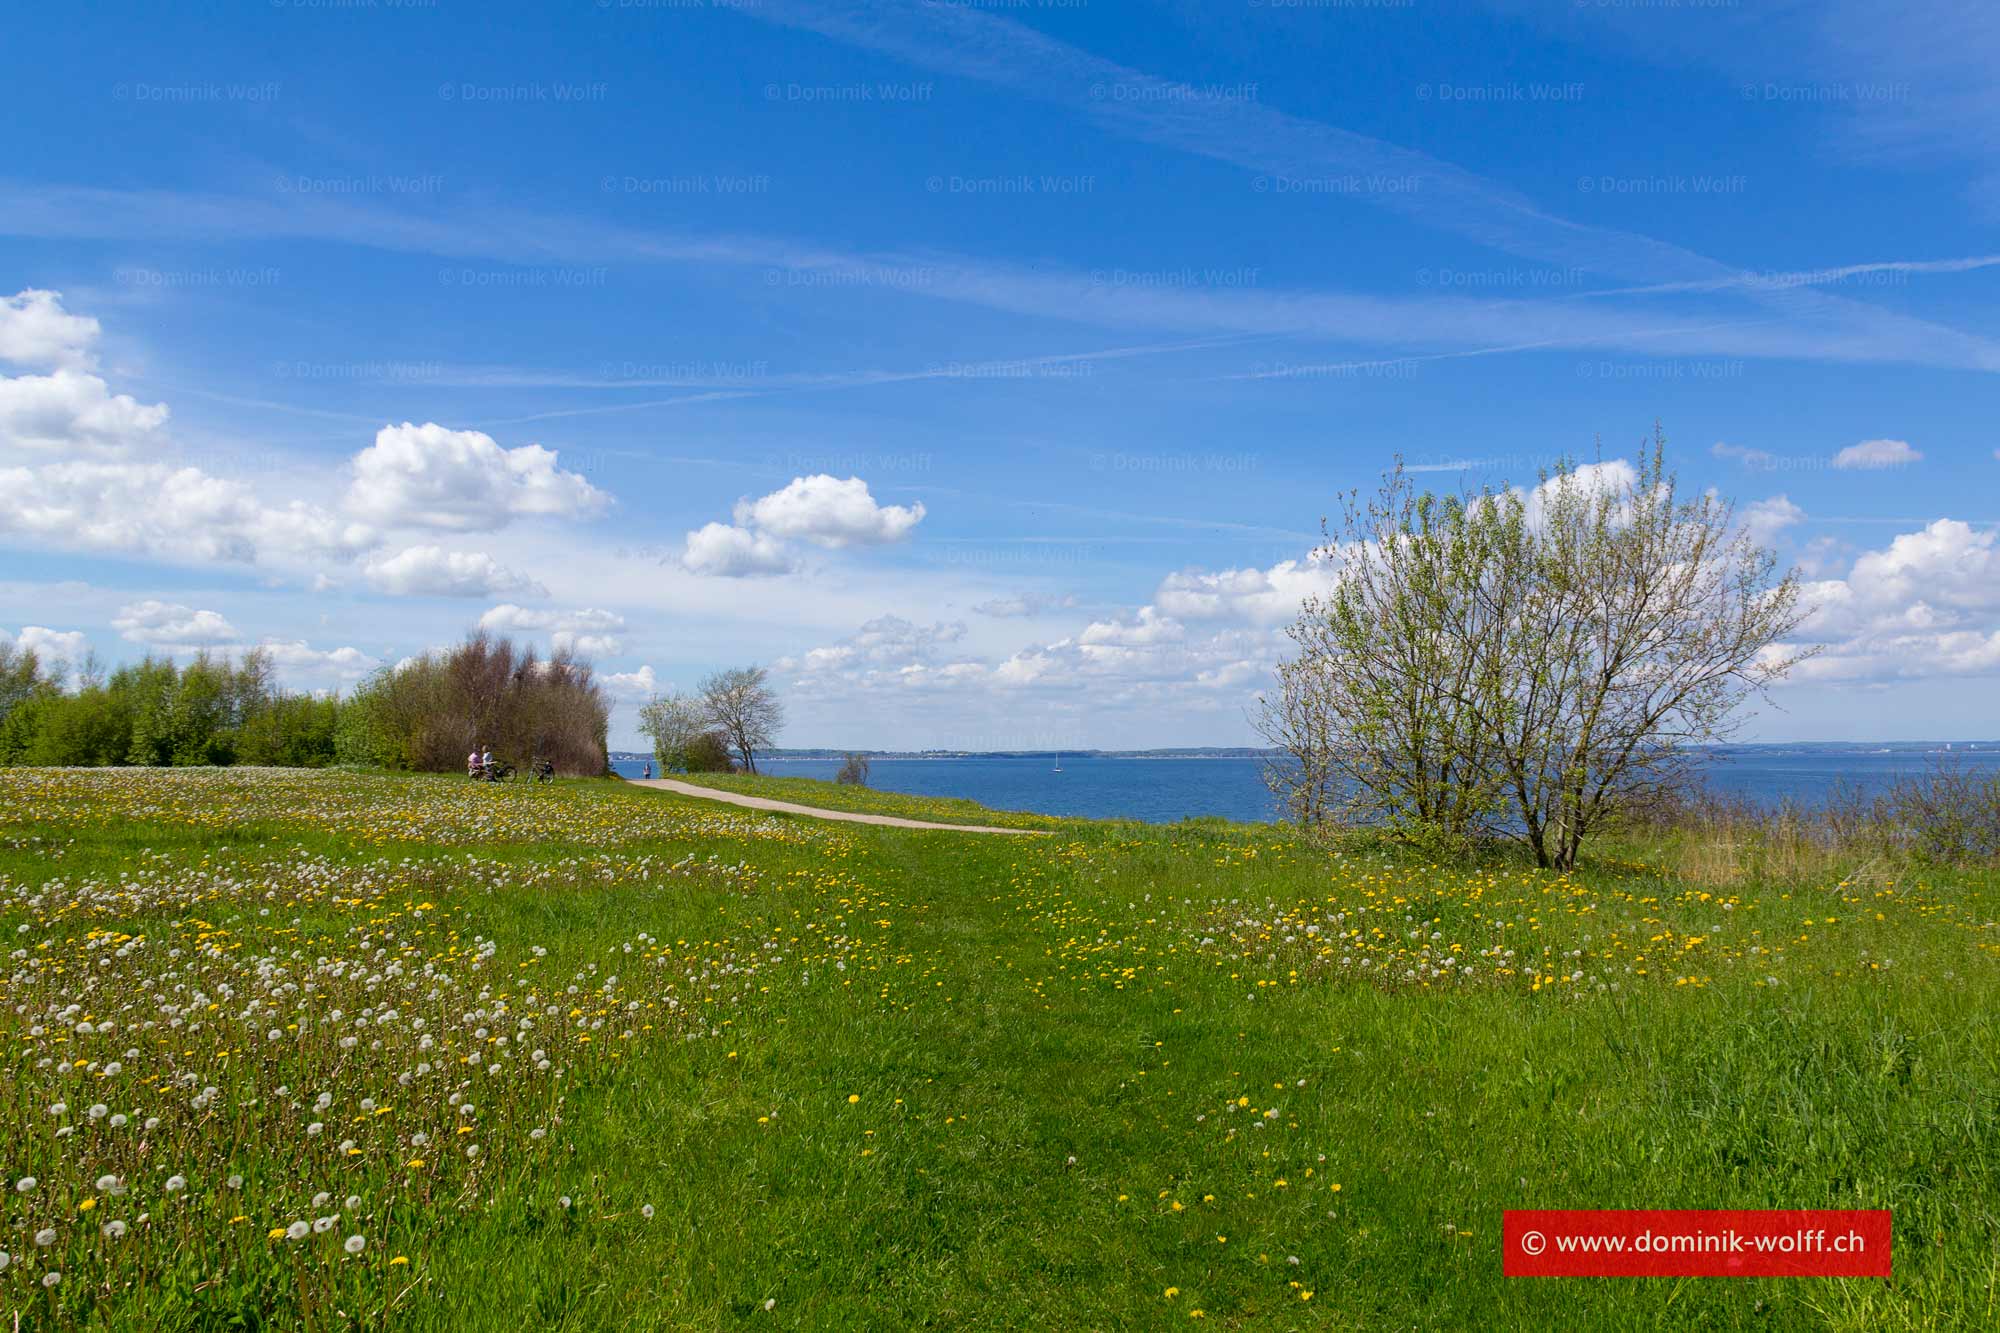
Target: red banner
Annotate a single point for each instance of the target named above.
(1665, 1242)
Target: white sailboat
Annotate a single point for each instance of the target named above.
(1058, 767)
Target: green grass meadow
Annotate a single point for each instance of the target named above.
(724, 1069)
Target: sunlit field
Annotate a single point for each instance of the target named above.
(312, 1049)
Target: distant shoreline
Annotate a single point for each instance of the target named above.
(809, 755)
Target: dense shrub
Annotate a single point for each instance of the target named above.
(853, 771)
(709, 753)
(428, 713)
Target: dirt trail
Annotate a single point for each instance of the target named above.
(846, 816)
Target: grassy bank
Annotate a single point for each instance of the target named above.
(721, 1068)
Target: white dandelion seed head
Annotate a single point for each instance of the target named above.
(175, 1184)
(45, 1237)
(25, 1185)
(647, 1211)
(51, 1278)
(298, 1231)
(321, 1199)
(314, 1128)
(353, 1244)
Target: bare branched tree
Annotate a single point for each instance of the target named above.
(674, 721)
(1528, 664)
(741, 704)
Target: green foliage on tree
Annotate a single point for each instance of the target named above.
(1527, 665)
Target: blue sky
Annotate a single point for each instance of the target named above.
(985, 368)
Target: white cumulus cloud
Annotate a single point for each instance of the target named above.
(50, 645)
(172, 625)
(72, 411)
(722, 551)
(1870, 455)
(829, 512)
(432, 571)
(35, 330)
(463, 481)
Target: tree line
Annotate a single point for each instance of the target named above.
(422, 715)
(154, 712)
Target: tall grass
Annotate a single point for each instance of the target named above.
(1947, 816)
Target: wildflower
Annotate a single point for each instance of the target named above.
(107, 1184)
(86, 1205)
(298, 1231)
(175, 1184)
(51, 1278)
(1173, 1292)
(853, 1097)
(353, 1202)
(353, 1244)
(25, 1185)
(322, 1225)
(113, 1230)
(5, 1259)
(771, 1304)
(45, 1237)
(235, 1182)
(98, 1111)
(314, 1128)
(399, 1259)
(321, 1199)
(118, 1120)
(275, 1233)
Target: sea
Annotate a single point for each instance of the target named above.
(1161, 790)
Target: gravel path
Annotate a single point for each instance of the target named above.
(845, 816)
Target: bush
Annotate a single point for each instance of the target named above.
(487, 693)
(853, 771)
(709, 753)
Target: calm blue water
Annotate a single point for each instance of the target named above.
(1163, 790)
